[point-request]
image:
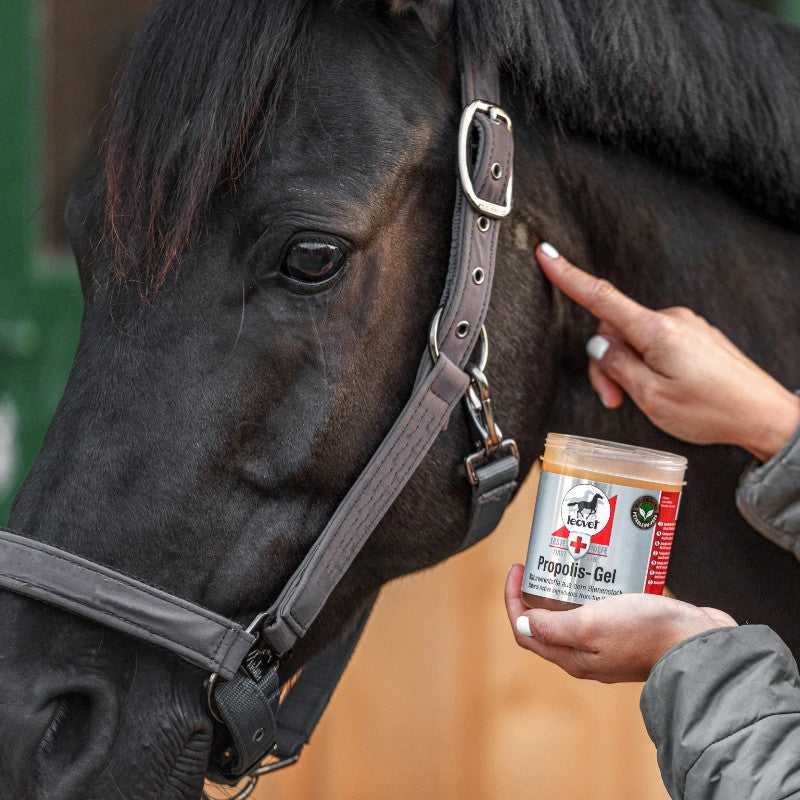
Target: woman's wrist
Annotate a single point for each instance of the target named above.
(776, 423)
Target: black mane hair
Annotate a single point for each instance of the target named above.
(200, 87)
(709, 87)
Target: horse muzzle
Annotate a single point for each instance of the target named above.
(86, 713)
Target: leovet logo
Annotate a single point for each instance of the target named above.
(588, 517)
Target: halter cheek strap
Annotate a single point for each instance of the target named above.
(440, 386)
(444, 378)
(244, 690)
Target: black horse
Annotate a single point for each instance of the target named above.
(261, 251)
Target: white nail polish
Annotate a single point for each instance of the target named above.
(597, 347)
(549, 250)
(524, 626)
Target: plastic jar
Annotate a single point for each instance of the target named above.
(604, 522)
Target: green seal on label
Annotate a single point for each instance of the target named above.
(644, 512)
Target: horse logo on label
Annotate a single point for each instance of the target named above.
(585, 511)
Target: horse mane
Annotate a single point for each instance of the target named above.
(710, 87)
(200, 87)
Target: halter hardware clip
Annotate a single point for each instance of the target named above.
(484, 426)
(258, 660)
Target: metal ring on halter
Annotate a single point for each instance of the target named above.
(433, 341)
(214, 677)
(254, 775)
(212, 706)
(244, 793)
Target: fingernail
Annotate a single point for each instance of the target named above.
(549, 250)
(524, 626)
(597, 347)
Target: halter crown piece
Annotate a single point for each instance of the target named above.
(260, 727)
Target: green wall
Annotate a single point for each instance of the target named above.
(40, 302)
(789, 9)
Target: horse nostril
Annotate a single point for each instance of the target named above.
(75, 744)
(61, 740)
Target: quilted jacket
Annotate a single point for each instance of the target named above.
(723, 707)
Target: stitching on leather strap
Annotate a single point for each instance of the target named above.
(131, 583)
(110, 614)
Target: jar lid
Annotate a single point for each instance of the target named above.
(615, 458)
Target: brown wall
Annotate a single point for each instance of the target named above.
(440, 703)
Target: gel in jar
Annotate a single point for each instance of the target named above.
(604, 522)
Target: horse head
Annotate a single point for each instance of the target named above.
(259, 275)
(262, 250)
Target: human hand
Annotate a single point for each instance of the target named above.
(685, 375)
(612, 640)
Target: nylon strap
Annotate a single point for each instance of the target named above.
(365, 504)
(497, 482)
(257, 721)
(124, 604)
(466, 301)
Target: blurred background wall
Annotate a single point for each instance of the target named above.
(439, 702)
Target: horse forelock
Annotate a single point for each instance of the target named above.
(198, 92)
(711, 88)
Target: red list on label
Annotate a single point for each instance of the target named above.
(662, 542)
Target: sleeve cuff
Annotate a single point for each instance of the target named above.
(768, 497)
(711, 686)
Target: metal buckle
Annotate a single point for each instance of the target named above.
(253, 777)
(484, 426)
(478, 459)
(497, 115)
(433, 341)
(255, 662)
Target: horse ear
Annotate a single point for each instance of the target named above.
(434, 14)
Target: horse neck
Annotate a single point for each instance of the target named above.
(664, 238)
(667, 239)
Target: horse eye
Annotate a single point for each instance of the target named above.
(313, 262)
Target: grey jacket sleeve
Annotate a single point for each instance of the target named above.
(723, 709)
(769, 497)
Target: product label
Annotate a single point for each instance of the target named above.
(591, 540)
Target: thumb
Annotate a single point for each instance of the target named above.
(558, 628)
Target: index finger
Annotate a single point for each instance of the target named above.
(598, 296)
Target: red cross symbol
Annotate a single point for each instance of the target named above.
(577, 544)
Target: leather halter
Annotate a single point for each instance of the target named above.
(244, 689)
